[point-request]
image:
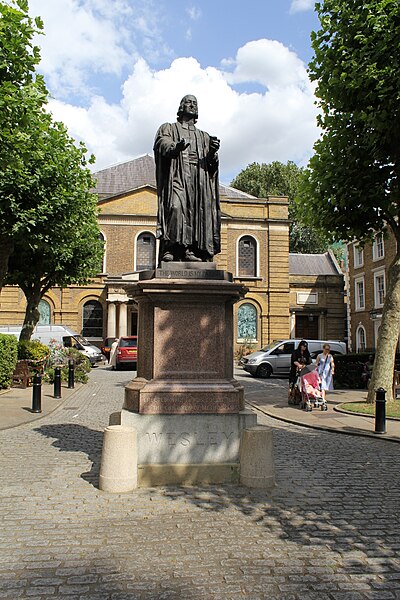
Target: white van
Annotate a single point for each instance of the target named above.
(63, 335)
(275, 358)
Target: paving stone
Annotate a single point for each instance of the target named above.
(330, 529)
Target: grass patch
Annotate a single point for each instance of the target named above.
(392, 408)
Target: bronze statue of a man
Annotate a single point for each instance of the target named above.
(189, 218)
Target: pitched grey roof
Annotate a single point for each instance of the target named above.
(312, 264)
(137, 173)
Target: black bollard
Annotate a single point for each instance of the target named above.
(71, 374)
(380, 411)
(37, 393)
(57, 382)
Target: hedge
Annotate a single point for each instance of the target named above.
(8, 359)
(349, 369)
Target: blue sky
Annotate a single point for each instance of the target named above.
(117, 69)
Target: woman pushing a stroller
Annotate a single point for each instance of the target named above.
(305, 381)
(300, 358)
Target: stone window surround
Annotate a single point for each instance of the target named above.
(257, 275)
(139, 233)
(377, 275)
(361, 328)
(378, 246)
(357, 304)
(358, 251)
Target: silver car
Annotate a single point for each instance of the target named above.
(274, 359)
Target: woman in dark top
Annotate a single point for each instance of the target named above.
(300, 357)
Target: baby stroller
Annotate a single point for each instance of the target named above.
(310, 385)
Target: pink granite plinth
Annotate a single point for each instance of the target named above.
(185, 348)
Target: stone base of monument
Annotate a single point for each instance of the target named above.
(186, 406)
(187, 449)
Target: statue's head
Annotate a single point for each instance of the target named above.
(188, 106)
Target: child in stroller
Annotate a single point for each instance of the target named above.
(310, 385)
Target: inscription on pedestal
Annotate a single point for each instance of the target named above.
(184, 273)
(184, 438)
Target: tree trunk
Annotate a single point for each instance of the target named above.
(32, 314)
(382, 374)
(6, 249)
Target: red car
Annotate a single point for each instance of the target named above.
(126, 351)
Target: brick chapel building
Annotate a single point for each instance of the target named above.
(255, 248)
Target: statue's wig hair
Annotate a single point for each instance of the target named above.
(180, 110)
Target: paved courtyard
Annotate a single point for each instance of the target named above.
(330, 529)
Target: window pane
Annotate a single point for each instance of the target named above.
(247, 257)
(145, 252)
(45, 313)
(92, 325)
(247, 322)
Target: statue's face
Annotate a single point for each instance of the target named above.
(189, 106)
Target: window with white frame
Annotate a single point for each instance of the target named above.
(378, 247)
(247, 262)
(379, 288)
(145, 252)
(358, 256)
(361, 339)
(359, 293)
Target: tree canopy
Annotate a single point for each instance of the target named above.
(279, 179)
(352, 180)
(64, 247)
(353, 177)
(23, 95)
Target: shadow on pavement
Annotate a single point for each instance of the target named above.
(77, 438)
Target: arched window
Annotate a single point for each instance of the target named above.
(145, 252)
(247, 322)
(361, 339)
(92, 321)
(247, 257)
(45, 313)
(102, 265)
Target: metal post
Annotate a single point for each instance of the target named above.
(57, 382)
(380, 411)
(71, 373)
(37, 393)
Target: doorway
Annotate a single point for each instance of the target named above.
(307, 327)
(134, 323)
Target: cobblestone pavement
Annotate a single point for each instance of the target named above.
(330, 529)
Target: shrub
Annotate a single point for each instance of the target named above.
(59, 356)
(244, 349)
(8, 359)
(32, 350)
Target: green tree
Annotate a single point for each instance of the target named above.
(353, 178)
(23, 96)
(278, 179)
(64, 247)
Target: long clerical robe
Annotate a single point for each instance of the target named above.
(188, 190)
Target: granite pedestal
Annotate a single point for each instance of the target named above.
(185, 404)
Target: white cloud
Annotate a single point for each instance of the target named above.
(90, 37)
(301, 6)
(275, 123)
(194, 12)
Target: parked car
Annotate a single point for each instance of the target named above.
(106, 347)
(126, 351)
(275, 357)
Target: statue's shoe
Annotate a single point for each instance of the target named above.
(167, 257)
(190, 257)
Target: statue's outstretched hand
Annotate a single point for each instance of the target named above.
(182, 145)
(214, 144)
